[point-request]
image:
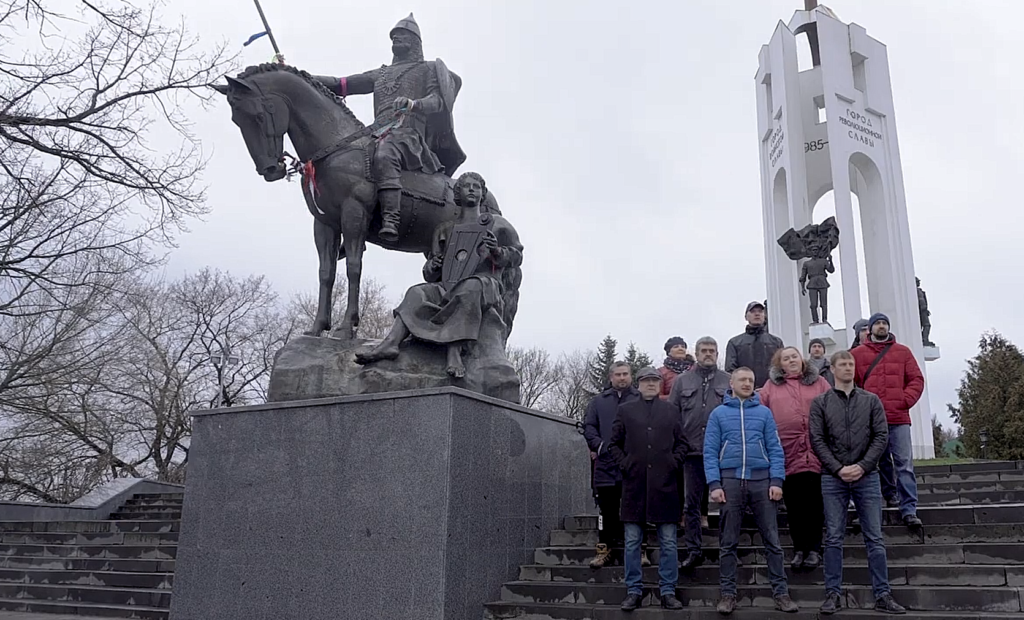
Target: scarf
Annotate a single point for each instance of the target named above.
(679, 366)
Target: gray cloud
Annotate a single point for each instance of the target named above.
(621, 141)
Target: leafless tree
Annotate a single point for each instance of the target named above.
(375, 309)
(569, 396)
(538, 373)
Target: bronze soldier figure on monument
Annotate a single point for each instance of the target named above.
(412, 102)
(814, 277)
(926, 322)
(814, 242)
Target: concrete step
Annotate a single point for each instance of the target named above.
(557, 611)
(972, 476)
(969, 498)
(931, 515)
(172, 496)
(88, 564)
(83, 610)
(148, 508)
(965, 553)
(99, 538)
(970, 467)
(143, 500)
(113, 579)
(154, 515)
(1005, 600)
(171, 525)
(158, 598)
(967, 486)
(853, 573)
(124, 552)
(894, 534)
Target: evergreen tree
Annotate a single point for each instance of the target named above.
(601, 364)
(991, 398)
(637, 360)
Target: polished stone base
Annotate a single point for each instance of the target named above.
(401, 506)
(822, 331)
(932, 353)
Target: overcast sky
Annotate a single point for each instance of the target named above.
(620, 139)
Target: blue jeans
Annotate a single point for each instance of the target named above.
(867, 498)
(753, 493)
(897, 469)
(668, 563)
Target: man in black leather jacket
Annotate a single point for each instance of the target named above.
(753, 348)
(849, 433)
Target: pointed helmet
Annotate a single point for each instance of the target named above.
(409, 23)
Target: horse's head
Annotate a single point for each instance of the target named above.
(263, 119)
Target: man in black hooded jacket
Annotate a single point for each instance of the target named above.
(753, 348)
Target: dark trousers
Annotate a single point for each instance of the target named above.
(609, 500)
(804, 510)
(740, 494)
(867, 499)
(693, 494)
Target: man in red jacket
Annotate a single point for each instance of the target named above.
(888, 370)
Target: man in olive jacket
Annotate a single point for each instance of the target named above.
(647, 443)
(849, 434)
(696, 393)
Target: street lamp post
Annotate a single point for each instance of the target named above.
(983, 438)
(221, 362)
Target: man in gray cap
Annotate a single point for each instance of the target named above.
(755, 347)
(647, 443)
(412, 102)
(860, 333)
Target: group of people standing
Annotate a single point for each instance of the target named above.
(818, 434)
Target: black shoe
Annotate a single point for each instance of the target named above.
(798, 560)
(912, 521)
(669, 601)
(813, 560)
(692, 561)
(786, 604)
(831, 605)
(632, 602)
(727, 605)
(891, 502)
(888, 605)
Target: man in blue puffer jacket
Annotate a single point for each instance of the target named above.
(745, 466)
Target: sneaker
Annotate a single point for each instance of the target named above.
(798, 560)
(603, 557)
(786, 604)
(831, 605)
(813, 560)
(912, 520)
(727, 605)
(644, 560)
(632, 602)
(669, 601)
(888, 605)
(692, 561)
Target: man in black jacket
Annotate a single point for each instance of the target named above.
(849, 433)
(696, 394)
(597, 430)
(753, 348)
(647, 443)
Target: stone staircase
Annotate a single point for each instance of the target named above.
(117, 568)
(968, 565)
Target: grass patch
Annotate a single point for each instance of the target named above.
(943, 461)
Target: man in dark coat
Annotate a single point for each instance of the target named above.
(597, 430)
(647, 443)
(753, 348)
(696, 394)
(816, 351)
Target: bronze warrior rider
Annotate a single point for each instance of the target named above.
(419, 95)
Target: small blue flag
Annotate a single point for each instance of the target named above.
(254, 37)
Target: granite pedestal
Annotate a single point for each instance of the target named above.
(400, 506)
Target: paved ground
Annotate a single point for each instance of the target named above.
(18, 615)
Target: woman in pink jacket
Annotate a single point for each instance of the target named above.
(792, 385)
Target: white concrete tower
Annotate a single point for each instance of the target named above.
(833, 127)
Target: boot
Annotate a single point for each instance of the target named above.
(831, 605)
(632, 602)
(888, 605)
(692, 561)
(727, 605)
(798, 560)
(603, 557)
(813, 560)
(704, 522)
(785, 604)
(390, 213)
(644, 560)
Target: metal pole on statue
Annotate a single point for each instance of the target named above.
(270, 33)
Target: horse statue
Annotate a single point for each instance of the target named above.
(334, 151)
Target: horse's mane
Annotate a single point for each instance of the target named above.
(317, 85)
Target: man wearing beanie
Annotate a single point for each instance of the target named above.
(860, 333)
(888, 370)
(677, 361)
(817, 359)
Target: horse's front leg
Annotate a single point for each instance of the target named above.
(355, 224)
(327, 243)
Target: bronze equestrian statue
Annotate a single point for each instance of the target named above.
(403, 161)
